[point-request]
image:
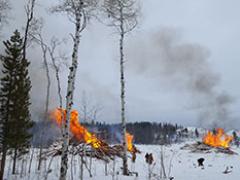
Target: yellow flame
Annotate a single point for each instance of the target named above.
(129, 140)
(78, 131)
(220, 139)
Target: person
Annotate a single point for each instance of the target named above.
(200, 162)
(149, 158)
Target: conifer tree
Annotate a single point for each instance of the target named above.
(15, 118)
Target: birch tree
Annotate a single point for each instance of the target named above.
(39, 39)
(123, 18)
(57, 62)
(79, 12)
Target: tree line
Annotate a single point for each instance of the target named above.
(144, 132)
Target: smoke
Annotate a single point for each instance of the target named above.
(183, 67)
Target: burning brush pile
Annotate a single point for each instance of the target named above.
(84, 143)
(217, 141)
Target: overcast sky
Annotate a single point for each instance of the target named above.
(214, 25)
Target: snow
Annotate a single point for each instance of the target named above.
(183, 167)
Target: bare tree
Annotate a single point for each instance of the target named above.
(44, 49)
(88, 109)
(123, 15)
(78, 11)
(56, 65)
(35, 34)
(29, 8)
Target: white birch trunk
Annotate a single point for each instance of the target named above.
(69, 97)
(122, 81)
(123, 14)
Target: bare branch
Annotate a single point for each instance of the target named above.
(89, 110)
(54, 44)
(29, 12)
(86, 8)
(125, 11)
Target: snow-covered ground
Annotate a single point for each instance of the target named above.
(183, 166)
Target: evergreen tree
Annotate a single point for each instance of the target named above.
(15, 100)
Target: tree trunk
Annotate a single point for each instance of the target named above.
(106, 169)
(69, 97)
(22, 168)
(44, 51)
(4, 144)
(48, 80)
(122, 81)
(40, 155)
(30, 163)
(81, 168)
(90, 164)
(14, 162)
(49, 168)
(72, 167)
(51, 52)
(113, 173)
(162, 164)
(3, 160)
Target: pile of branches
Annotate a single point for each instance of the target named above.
(105, 152)
(200, 147)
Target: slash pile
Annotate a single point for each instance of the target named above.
(85, 143)
(105, 152)
(200, 147)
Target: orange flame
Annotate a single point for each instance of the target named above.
(129, 140)
(79, 132)
(218, 139)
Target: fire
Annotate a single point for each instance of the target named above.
(218, 139)
(129, 140)
(79, 132)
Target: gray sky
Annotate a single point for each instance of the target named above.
(212, 25)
